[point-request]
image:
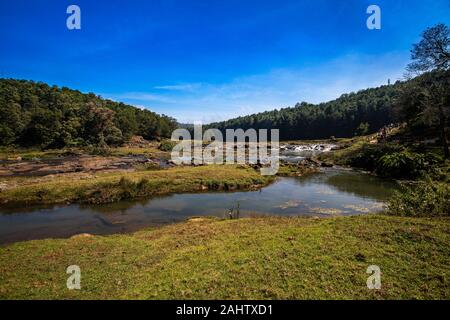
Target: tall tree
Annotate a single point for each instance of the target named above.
(432, 53)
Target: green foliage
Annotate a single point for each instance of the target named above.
(368, 155)
(362, 129)
(393, 160)
(407, 164)
(360, 112)
(433, 50)
(167, 145)
(98, 150)
(33, 114)
(423, 198)
(113, 136)
(425, 99)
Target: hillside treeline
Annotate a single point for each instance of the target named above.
(36, 114)
(351, 114)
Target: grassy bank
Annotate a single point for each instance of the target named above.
(110, 187)
(284, 258)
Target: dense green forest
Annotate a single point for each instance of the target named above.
(39, 115)
(351, 114)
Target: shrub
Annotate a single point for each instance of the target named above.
(394, 161)
(368, 155)
(406, 164)
(98, 151)
(362, 129)
(424, 198)
(167, 145)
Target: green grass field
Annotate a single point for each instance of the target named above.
(255, 258)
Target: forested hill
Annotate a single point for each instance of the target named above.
(36, 114)
(351, 114)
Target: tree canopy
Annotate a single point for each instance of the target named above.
(36, 114)
(351, 114)
(426, 99)
(432, 52)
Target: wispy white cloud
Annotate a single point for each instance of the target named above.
(140, 96)
(278, 88)
(180, 87)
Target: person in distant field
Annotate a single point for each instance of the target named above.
(383, 133)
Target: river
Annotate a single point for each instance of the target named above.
(333, 191)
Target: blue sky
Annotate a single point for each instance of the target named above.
(211, 60)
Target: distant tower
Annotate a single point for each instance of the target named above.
(389, 82)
